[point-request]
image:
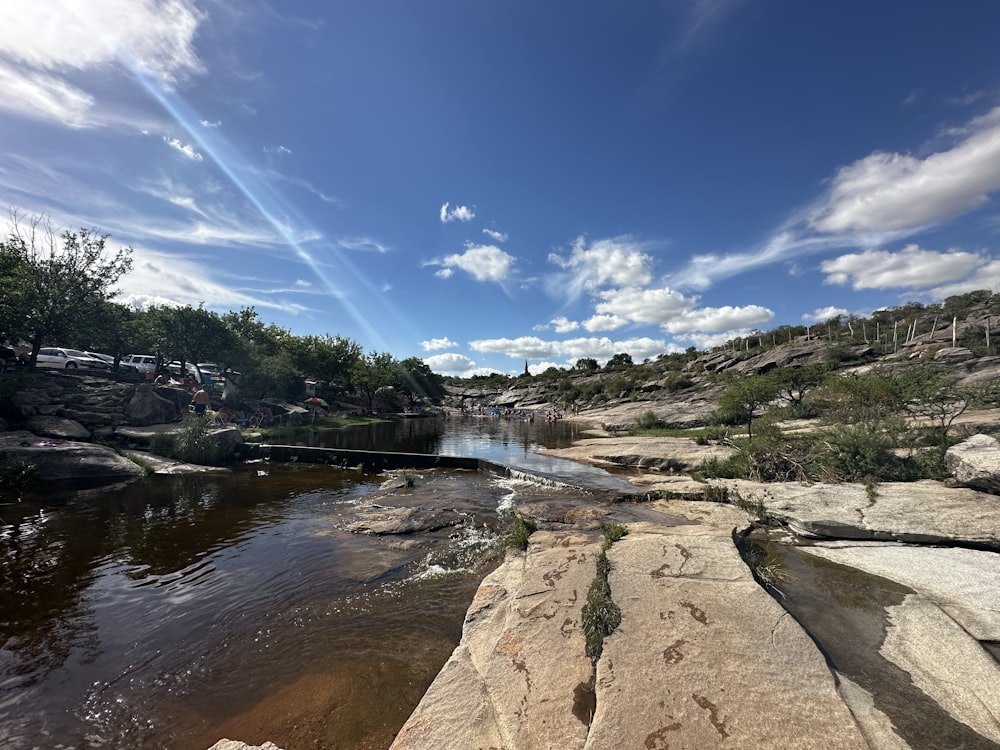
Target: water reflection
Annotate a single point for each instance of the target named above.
(160, 614)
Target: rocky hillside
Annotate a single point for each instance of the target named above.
(681, 390)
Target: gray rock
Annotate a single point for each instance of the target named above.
(704, 657)
(57, 427)
(918, 512)
(953, 354)
(520, 676)
(386, 521)
(57, 459)
(225, 744)
(975, 463)
(659, 453)
(148, 407)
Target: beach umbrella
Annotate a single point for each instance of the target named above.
(316, 402)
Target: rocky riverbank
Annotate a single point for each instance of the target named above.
(705, 655)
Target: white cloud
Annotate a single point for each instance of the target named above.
(655, 306)
(604, 323)
(303, 283)
(495, 235)
(445, 273)
(451, 364)
(726, 318)
(601, 349)
(536, 368)
(481, 262)
(45, 42)
(886, 192)
(710, 340)
(184, 148)
(986, 276)
(277, 150)
(562, 324)
(619, 261)
(457, 213)
(363, 244)
(910, 267)
(823, 314)
(210, 124)
(41, 96)
(434, 345)
(155, 37)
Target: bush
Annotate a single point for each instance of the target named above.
(648, 421)
(520, 532)
(192, 444)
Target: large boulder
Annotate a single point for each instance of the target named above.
(146, 407)
(59, 459)
(975, 463)
(57, 427)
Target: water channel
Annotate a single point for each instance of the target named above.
(171, 611)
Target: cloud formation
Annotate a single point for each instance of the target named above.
(457, 213)
(435, 345)
(495, 235)
(886, 192)
(911, 267)
(481, 262)
(44, 42)
(184, 148)
(619, 262)
(823, 313)
(601, 349)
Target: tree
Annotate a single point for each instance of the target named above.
(743, 396)
(194, 334)
(619, 362)
(795, 382)
(416, 380)
(54, 286)
(372, 373)
(586, 364)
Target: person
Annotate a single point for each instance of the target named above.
(201, 401)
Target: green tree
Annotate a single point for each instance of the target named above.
(372, 373)
(415, 380)
(586, 364)
(795, 382)
(54, 286)
(743, 397)
(620, 361)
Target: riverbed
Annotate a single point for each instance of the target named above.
(172, 611)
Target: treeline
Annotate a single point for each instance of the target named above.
(59, 291)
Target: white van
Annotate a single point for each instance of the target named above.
(141, 362)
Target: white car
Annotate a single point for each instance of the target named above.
(141, 362)
(69, 359)
(111, 361)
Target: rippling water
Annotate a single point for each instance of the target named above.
(172, 611)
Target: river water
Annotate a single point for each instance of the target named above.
(171, 611)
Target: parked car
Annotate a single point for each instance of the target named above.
(111, 361)
(141, 362)
(70, 359)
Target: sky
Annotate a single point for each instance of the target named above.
(484, 184)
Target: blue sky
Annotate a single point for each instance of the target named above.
(480, 183)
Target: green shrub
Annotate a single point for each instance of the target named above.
(520, 532)
(648, 421)
(191, 444)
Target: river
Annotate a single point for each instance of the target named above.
(171, 611)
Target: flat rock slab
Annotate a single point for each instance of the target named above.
(64, 459)
(923, 512)
(656, 453)
(704, 657)
(962, 582)
(520, 676)
(162, 465)
(382, 521)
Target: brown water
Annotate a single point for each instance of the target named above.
(177, 610)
